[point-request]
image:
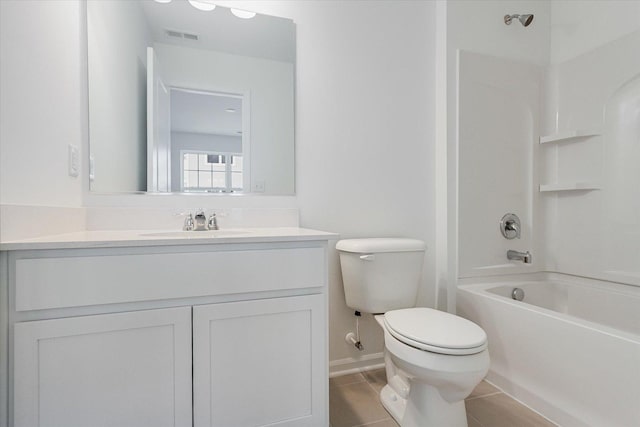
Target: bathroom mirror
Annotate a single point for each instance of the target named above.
(186, 96)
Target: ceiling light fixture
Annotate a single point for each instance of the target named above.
(244, 14)
(201, 5)
(230, 110)
(163, 1)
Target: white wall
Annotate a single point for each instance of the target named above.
(365, 91)
(270, 86)
(41, 107)
(366, 97)
(199, 142)
(117, 49)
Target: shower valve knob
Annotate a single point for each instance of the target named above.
(510, 226)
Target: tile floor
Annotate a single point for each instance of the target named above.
(354, 401)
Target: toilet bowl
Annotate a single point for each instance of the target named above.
(427, 388)
(433, 359)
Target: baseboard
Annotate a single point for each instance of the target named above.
(352, 365)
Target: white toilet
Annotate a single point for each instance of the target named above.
(433, 359)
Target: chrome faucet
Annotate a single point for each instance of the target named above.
(525, 257)
(212, 224)
(200, 221)
(189, 225)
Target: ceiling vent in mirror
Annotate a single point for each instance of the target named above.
(181, 35)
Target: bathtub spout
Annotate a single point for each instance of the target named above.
(525, 257)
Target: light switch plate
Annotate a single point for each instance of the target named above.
(74, 161)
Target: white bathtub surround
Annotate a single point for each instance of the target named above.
(594, 88)
(569, 350)
(498, 142)
(580, 192)
(26, 222)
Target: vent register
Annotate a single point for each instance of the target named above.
(181, 35)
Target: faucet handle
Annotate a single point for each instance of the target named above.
(510, 226)
(189, 224)
(212, 224)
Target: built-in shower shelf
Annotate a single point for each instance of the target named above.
(569, 186)
(568, 135)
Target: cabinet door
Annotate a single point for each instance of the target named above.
(125, 369)
(260, 363)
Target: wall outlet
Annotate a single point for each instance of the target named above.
(74, 161)
(258, 186)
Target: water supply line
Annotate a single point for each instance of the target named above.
(352, 338)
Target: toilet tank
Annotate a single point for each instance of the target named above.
(381, 274)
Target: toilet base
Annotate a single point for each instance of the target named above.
(393, 403)
(424, 408)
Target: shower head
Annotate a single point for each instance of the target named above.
(525, 20)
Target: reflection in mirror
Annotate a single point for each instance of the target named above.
(187, 100)
(206, 142)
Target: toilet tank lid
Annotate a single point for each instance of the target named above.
(381, 244)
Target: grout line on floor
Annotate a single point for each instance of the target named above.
(374, 389)
(475, 419)
(347, 384)
(356, 381)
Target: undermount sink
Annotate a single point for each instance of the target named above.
(196, 234)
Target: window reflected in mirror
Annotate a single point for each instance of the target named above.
(211, 172)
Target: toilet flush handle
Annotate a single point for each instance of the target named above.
(368, 257)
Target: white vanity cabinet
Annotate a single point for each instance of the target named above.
(256, 362)
(124, 369)
(206, 335)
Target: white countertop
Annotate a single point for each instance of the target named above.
(132, 238)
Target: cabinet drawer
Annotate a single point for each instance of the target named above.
(72, 281)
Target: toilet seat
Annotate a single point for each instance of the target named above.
(435, 331)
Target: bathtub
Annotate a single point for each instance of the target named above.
(569, 350)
